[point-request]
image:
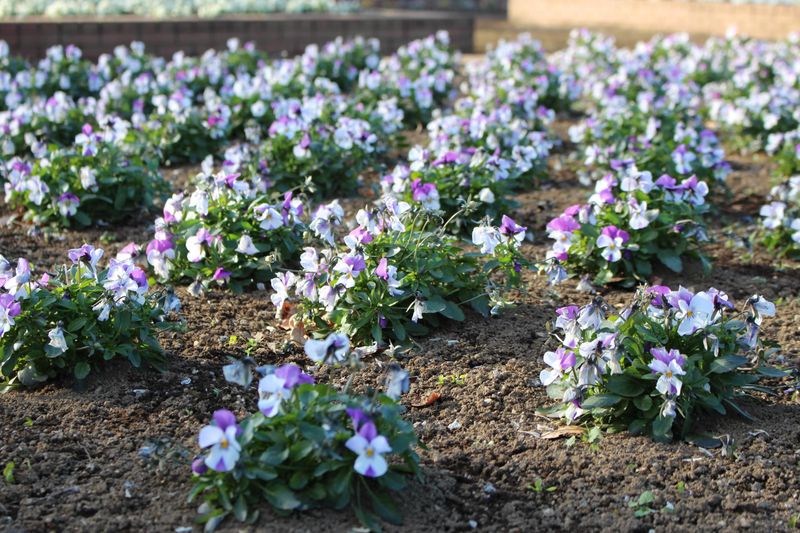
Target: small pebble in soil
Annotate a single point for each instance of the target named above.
(128, 485)
(187, 381)
(138, 393)
(455, 424)
(489, 488)
(472, 524)
(145, 451)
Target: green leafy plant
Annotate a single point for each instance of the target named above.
(74, 318)
(8, 473)
(539, 487)
(780, 219)
(225, 233)
(308, 446)
(398, 274)
(642, 504)
(92, 181)
(630, 223)
(653, 367)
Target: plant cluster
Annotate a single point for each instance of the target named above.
(92, 181)
(661, 141)
(308, 446)
(323, 137)
(780, 219)
(520, 143)
(466, 187)
(518, 74)
(397, 273)
(629, 222)
(75, 317)
(655, 366)
(420, 75)
(189, 107)
(229, 231)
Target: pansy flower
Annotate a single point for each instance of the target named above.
(695, 314)
(274, 388)
(370, 448)
(558, 361)
(332, 349)
(9, 308)
(669, 364)
(612, 240)
(221, 437)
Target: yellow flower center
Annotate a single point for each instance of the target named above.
(689, 313)
(369, 452)
(612, 245)
(223, 443)
(668, 374)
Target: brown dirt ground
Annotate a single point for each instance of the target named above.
(113, 454)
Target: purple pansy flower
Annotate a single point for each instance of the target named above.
(611, 240)
(669, 364)
(274, 388)
(369, 447)
(221, 438)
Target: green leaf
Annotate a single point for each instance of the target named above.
(393, 481)
(263, 474)
(76, 324)
(367, 519)
(733, 405)
(637, 426)
(662, 428)
(625, 385)
(643, 403)
(377, 333)
(240, 509)
(603, 277)
(82, 370)
(312, 432)
(316, 491)
(82, 218)
(385, 507)
(298, 480)
(772, 372)
(281, 497)
(453, 311)
(300, 449)
(434, 304)
(643, 267)
(274, 455)
(341, 480)
(600, 401)
(703, 441)
(727, 363)
(670, 260)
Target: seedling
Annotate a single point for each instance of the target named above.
(642, 504)
(8, 473)
(460, 379)
(538, 487)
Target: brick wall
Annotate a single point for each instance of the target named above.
(658, 16)
(272, 33)
(477, 6)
